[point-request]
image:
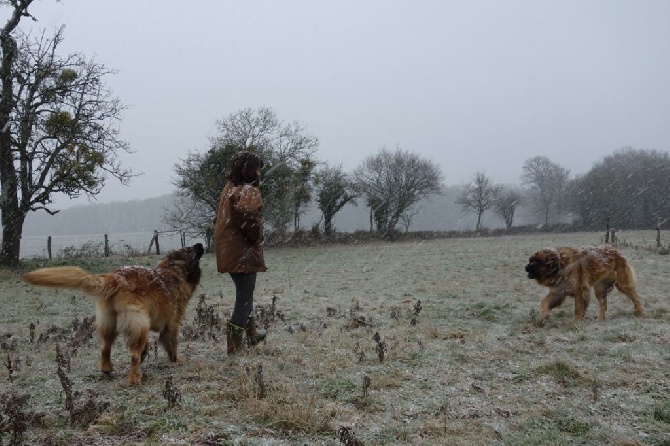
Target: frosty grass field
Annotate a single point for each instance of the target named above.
(433, 342)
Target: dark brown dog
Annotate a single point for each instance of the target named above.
(133, 300)
(572, 272)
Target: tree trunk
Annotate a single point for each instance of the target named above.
(510, 220)
(479, 221)
(327, 225)
(546, 219)
(12, 228)
(371, 219)
(12, 218)
(393, 222)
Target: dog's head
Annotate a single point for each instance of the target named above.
(188, 259)
(544, 265)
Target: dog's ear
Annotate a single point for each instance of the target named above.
(199, 249)
(553, 262)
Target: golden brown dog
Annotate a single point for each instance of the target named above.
(133, 300)
(573, 272)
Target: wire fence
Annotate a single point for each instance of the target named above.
(159, 242)
(99, 245)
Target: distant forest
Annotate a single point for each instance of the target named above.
(438, 213)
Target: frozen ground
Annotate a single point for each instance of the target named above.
(459, 357)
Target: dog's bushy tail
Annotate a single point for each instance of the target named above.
(69, 277)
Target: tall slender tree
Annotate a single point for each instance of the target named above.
(58, 127)
(546, 181)
(303, 186)
(479, 195)
(506, 205)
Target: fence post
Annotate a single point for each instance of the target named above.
(49, 247)
(182, 234)
(106, 246)
(607, 230)
(154, 239)
(658, 232)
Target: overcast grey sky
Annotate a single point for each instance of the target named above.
(472, 85)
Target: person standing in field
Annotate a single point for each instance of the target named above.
(238, 244)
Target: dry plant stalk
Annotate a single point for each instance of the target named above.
(14, 419)
(417, 308)
(89, 413)
(595, 389)
(415, 311)
(347, 437)
(81, 332)
(10, 367)
(66, 384)
(381, 346)
(172, 394)
(260, 383)
(360, 354)
(366, 385)
(62, 360)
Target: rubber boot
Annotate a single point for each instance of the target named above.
(253, 336)
(234, 336)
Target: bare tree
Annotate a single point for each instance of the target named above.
(506, 205)
(334, 190)
(407, 217)
(190, 215)
(547, 180)
(58, 127)
(393, 182)
(479, 196)
(262, 131)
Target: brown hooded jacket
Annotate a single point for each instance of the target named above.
(238, 230)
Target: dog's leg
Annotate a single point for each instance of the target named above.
(106, 325)
(145, 352)
(582, 298)
(551, 300)
(136, 327)
(601, 291)
(168, 339)
(626, 284)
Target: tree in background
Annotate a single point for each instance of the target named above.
(547, 182)
(393, 181)
(303, 186)
(506, 205)
(199, 181)
(58, 127)
(203, 176)
(285, 148)
(630, 186)
(286, 151)
(334, 191)
(480, 195)
(408, 216)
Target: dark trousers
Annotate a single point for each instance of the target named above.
(245, 283)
